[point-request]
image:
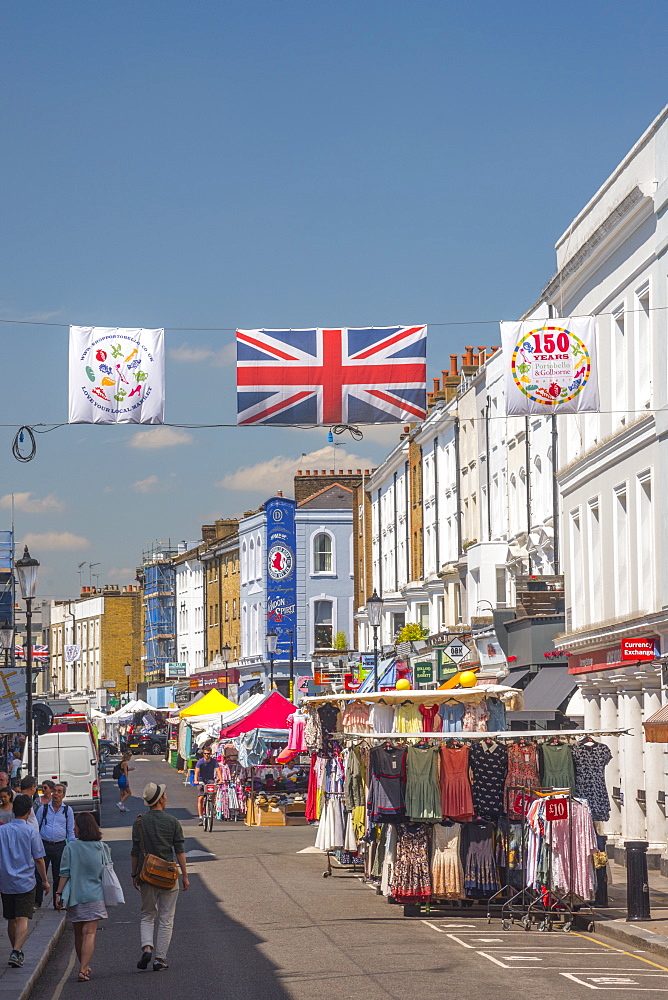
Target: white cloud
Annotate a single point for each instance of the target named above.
(54, 541)
(161, 437)
(223, 357)
(278, 473)
(26, 503)
(152, 484)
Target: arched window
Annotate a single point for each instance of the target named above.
(244, 564)
(251, 560)
(322, 553)
(259, 569)
(323, 624)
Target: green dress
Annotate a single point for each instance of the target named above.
(557, 770)
(423, 794)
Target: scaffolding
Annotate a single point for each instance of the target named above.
(6, 577)
(158, 578)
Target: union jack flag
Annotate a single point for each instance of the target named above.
(345, 376)
(40, 653)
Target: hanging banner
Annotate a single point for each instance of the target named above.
(12, 700)
(282, 575)
(550, 366)
(324, 377)
(117, 376)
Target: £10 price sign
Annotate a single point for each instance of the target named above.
(556, 809)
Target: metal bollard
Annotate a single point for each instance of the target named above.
(637, 886)
(601, 897)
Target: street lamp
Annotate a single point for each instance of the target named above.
(6, 640)
(225, 652)
(374, 610)
(26, 569)
(272, 642)
(128, 671)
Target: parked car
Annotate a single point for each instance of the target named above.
(155, 743)
(107, 748)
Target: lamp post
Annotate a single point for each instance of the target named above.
(128, 671)
(272, 640)
(225, 652)
(374, 610)
(26, 569)
(6, 640)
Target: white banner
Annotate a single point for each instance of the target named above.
(550, 366)
(117, 376)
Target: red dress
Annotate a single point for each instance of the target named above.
(456, 798)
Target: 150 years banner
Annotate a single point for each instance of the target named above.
(550, 366)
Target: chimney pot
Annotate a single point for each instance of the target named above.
(483, 348)
(469, 355)
(494, 348)
(350, 472)
(331, 472)
(299, 472)
(437, 385)
(359, 472)
(279, 493)
(453, 364)
(407, 429)
(340, 472)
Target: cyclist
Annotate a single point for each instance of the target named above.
(206, 772)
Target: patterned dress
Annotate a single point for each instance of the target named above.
(522, 775)
(489, 766)
(411, 880)
(590, 763)
(447, 873)
(481, 876)
(475, 718)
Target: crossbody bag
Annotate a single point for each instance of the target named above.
(155, 871)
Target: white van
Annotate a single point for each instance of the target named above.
(70, 757)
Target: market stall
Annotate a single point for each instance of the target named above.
(440, 805)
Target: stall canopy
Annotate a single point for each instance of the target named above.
(126, 711)
(213, 703)
(270, 712)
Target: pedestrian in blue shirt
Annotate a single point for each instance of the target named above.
(56, 825)
(21, 851)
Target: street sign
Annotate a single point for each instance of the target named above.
(72, 653)
(302, 684)
(424, 672)
(176, 669)
(556, 809)
(456, 650)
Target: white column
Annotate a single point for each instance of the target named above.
(592, 706)
(610, 720)
(653, 754)
(634, 826)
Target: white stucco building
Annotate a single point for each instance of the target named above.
(189, 604)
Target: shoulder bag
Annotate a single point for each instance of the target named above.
(155, 871)
(111, 886)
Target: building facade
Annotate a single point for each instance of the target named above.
(189, 598)
(222, 597)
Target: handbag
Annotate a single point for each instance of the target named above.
(155, 871)
(111, 886)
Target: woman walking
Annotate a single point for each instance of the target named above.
(6, 799)
(47, 791)
(80, 887)
(124, 782)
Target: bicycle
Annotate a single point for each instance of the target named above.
(209, 806)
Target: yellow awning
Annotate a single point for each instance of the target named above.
(212, 703)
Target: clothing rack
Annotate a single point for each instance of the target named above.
(508, 734)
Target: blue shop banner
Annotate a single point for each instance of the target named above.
(282, 574)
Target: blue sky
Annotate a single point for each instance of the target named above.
(217, 164)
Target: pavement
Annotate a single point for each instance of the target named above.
(259, 921)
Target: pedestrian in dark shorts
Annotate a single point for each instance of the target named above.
(21, 851)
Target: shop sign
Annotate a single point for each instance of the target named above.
(176, 669)
(424, 672)
(637, 649)
(556, 809)
(109, 684)
(447, 668)
(456, 650)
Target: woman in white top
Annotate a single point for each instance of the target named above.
(6, 799)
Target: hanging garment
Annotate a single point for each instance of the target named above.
(557, 769)
(447, 873)
(332, 829)
(387, 784)
(573, 844)
(329, 718)
(296, 725)
(431, 720)
(453, 716)
(481, 877)
(475, 718)
(407, 719)
(590, 760)
(356, 718)
(411, 882)
(489, 766)
(522, 776)
(389, 858)
(313, 731)
(497, 715)
(353, 786)
(456, 800)
(381, 718)
(423, 796)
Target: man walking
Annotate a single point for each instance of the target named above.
(56, 825)
(158, 833)
(21, 851)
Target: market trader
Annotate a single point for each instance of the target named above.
(206, 771)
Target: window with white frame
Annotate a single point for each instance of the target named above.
(595, 596)
(645, 546)
(323, 624)
(619, 366)
(258, 558)
(322, 553)
(621, 550)
(244, 563)
(577, 582)
(643, 349)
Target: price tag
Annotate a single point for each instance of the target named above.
(556, 809)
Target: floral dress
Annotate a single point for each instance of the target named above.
(411, 880)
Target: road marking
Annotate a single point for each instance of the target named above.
(638, 958)
(458, 926)
(616, 982)
(495, 960)
(453, 937)
(489, 940)
(70, 965)
(433, 927)
(200, 854)
(522, 958)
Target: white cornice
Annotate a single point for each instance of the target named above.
(602, 633)
(607, 454)
(397, 457)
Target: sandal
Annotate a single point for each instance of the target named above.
(83, 977)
